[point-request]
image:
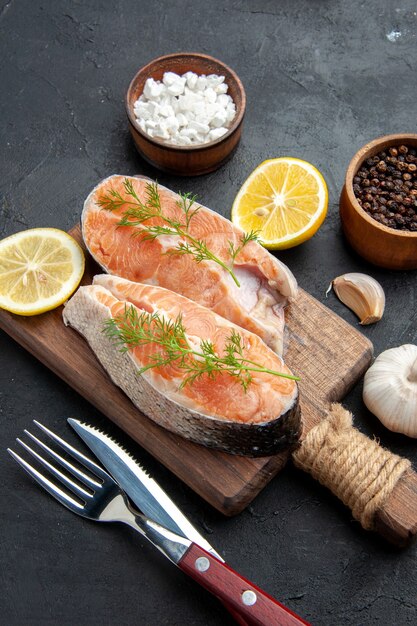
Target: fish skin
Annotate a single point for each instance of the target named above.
(267, 284)
(87, 312)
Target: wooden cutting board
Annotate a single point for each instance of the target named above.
(327, 353)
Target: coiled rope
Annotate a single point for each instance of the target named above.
(355, 468)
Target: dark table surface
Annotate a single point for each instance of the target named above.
(322, 78)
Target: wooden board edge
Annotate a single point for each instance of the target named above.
(358, 370)
(238, 501)
(396, 520)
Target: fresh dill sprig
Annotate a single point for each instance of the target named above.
(112, 201)
(186, 202)
(132, 329)
(253, 235)
(138, 212)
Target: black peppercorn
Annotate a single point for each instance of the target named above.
(386, 187)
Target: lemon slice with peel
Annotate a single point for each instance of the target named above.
(39, 269)
(285, 199)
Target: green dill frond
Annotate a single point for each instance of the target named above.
(111, 201)
(132, 329)
(153, 198)
(253, 235)
(130, 190)
(185, 203)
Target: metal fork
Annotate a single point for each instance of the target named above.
(98, 496)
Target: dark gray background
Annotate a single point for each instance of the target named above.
(322, 78)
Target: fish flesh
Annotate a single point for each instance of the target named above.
(214, 411)
(266, 284)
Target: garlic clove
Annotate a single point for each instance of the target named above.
(361, 293)
(390, 389)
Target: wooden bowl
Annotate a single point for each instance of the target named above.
(186, 160)
(378, 244)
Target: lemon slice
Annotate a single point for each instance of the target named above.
(39, 269)
(285, 199)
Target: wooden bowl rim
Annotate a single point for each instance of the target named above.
(198, 147)
(374, 146)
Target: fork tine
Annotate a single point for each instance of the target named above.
(69, 466)
(49, 486)
(77, 489)
(78, 456)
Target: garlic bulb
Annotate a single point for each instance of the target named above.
(361, 293)
(390, 389)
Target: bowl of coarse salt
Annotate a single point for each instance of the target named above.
(185, 113)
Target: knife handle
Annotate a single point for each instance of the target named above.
(246, 602)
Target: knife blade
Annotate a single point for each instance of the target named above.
(247, 603)
(143, 490)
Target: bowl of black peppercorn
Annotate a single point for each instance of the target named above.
(378, 203)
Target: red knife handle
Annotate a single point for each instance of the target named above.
(246, 602)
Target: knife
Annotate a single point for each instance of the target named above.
(143, 490)
(150, 498)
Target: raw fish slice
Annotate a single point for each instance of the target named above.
(214, 411)
(266, 283)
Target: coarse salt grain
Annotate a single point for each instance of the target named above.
(185, 110)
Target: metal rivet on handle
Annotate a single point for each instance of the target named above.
(202, 564)
(249, 597)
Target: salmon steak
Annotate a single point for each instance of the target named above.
(144, 232)
(216, 408)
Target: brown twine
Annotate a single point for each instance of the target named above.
(355, 468)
